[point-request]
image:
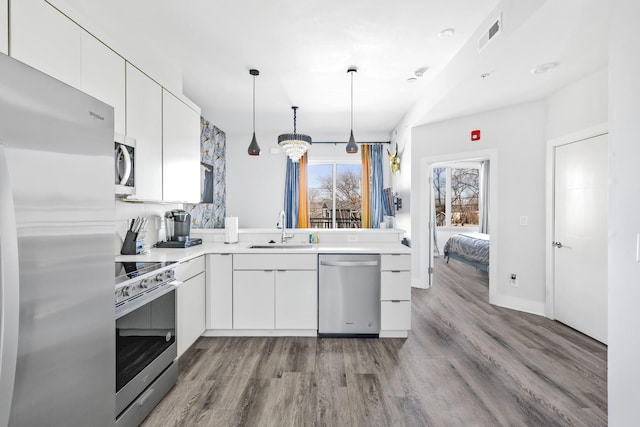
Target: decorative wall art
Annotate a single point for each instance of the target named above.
(210, 212)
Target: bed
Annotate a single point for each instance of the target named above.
(469, 248)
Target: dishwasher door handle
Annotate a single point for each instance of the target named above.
(349, 263)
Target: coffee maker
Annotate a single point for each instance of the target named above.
(178, 227)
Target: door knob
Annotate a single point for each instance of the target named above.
(557, 244)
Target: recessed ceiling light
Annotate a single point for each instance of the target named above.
(446, 33)
(541, 69)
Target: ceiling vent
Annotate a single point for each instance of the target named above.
(490, 34)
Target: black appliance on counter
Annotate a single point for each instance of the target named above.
(178, 225)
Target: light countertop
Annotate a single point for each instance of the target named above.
(180, 255)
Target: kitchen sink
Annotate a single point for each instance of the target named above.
(282, 246)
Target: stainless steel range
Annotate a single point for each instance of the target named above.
(146, 348)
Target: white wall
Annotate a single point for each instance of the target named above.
(153, 212)
(579, 106)
(401, 182)
(624, 209)
(517, 135)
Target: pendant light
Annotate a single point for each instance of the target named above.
(254, 148)
(294, 144)
(352, 148)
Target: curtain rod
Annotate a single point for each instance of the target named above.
(345, 142)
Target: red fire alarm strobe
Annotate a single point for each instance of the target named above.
(475, 135)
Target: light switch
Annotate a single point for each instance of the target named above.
(524, 220)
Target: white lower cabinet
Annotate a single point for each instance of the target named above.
(219, 307)
(395, 294)
(296, 300)
(253, 299)
(275, 292)
(190, 302)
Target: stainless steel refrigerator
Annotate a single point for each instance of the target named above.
(56, 253)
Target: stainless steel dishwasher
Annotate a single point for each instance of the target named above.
(349, 295)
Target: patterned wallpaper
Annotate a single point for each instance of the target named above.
(210, 212)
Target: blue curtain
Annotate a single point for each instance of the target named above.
(291, 194)
(377, 186)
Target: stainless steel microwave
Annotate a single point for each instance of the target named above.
(125, 165)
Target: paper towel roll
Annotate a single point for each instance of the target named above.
(231, 229)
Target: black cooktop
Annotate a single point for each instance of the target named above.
(130, 269)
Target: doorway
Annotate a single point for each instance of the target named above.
(425, 252)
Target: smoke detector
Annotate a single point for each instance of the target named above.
(491, 33)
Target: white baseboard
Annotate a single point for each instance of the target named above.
(527, 306)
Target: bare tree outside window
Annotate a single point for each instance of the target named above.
(462, 200)
(338, 199)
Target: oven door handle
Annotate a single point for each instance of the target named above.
(145, 299)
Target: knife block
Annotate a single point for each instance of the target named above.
(129, 246)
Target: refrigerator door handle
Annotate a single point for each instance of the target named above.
(9, 291)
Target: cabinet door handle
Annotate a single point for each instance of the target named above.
(395, 271)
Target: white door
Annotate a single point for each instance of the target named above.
(580, 236)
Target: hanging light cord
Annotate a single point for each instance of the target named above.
(294, 121)
(351, 72)
(254, 104)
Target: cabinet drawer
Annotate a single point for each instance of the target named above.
(395, 316)
(395, 262)
(395, 285)
(188, 269)
(275, 262)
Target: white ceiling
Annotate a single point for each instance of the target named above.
(303, 50)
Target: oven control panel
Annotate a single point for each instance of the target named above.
(143, 279)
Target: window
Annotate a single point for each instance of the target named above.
(456, 191)
(335, 195)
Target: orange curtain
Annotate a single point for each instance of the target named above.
(303, 200)
(366, 193)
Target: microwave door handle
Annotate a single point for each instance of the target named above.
(124, 177)
(9, 291)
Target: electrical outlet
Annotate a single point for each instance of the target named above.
(352, 238)
(514, 280)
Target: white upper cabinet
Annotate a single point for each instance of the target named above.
(181, 150)
(4, 26)
(47, 40)
(103, 76)
(144, 123)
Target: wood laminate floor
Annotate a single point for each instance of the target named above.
(465, 363)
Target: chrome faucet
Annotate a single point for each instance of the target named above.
(282, 223)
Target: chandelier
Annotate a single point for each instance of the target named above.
(294, 144)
